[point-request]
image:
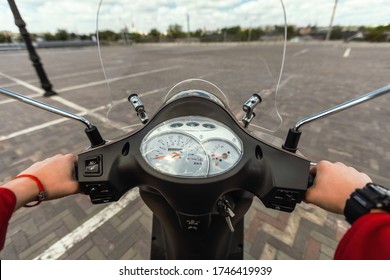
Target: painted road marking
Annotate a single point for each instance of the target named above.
(301, 52)
(347, 52)
(151, 92)
(40, 91)
(104, 119)
(63, 101)
(31, 129)
(23, 83)
(61, 246)
(47, 124)
(82, 110)
(77, 74)
(13, 100)
(111, 80)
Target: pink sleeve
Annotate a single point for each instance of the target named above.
(7, 206)
(367, 239)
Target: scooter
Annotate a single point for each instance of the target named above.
(197, 167)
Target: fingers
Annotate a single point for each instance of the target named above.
(333, 184)
(321, 165)
(71, 157)
(57, 173)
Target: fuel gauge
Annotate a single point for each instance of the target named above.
(222, 155)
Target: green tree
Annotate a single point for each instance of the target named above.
(48, 36)
(337, 33)
(5, 38)
(377, 34)
(154, 35)
(108, 36)
(175, 31)
(73, 36)
(85, 37)
(62, 35)
(233, 33)
(198, 33)
(256, 33)
(136, 37)
(291, 32)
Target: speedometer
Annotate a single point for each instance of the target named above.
(176, 154)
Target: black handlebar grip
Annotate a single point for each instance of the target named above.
(76, 171)
(311, 179)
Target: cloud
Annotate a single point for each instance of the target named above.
(141, 15)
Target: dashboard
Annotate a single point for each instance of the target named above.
(192, 146)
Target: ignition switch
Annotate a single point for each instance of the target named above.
(225, 210)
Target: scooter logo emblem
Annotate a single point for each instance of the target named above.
(193, 224)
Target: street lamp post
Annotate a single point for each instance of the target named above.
(331, 21)
(34, 57)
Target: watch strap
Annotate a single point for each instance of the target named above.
(363, 200)
(354, 209)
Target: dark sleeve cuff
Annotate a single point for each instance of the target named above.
(7, 206)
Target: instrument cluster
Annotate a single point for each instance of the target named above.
(192, 146)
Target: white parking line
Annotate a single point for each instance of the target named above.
(151, 92)
(47, 51)
(347, 52)
(117, 79)
(31, 129)
(50, 123)
(82, 110)
(40, 91)
(13, 100)
(78, 74)
(301, 52)
(92, 113)
(23, 83)
(61, 246)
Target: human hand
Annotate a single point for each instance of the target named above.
(333, 184)
(57, 175)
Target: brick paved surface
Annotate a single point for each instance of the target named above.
(316, 77)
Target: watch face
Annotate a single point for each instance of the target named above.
(381, 189)
(386, 191)
(382, 197)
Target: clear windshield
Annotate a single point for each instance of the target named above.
(158, 49)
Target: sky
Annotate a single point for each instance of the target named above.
(79, 16)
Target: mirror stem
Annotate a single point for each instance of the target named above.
(92, 132)
(294, 133)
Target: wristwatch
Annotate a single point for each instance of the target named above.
(362, 201)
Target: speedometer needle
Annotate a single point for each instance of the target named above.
(174, 155)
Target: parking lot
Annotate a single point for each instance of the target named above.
(316, 77)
